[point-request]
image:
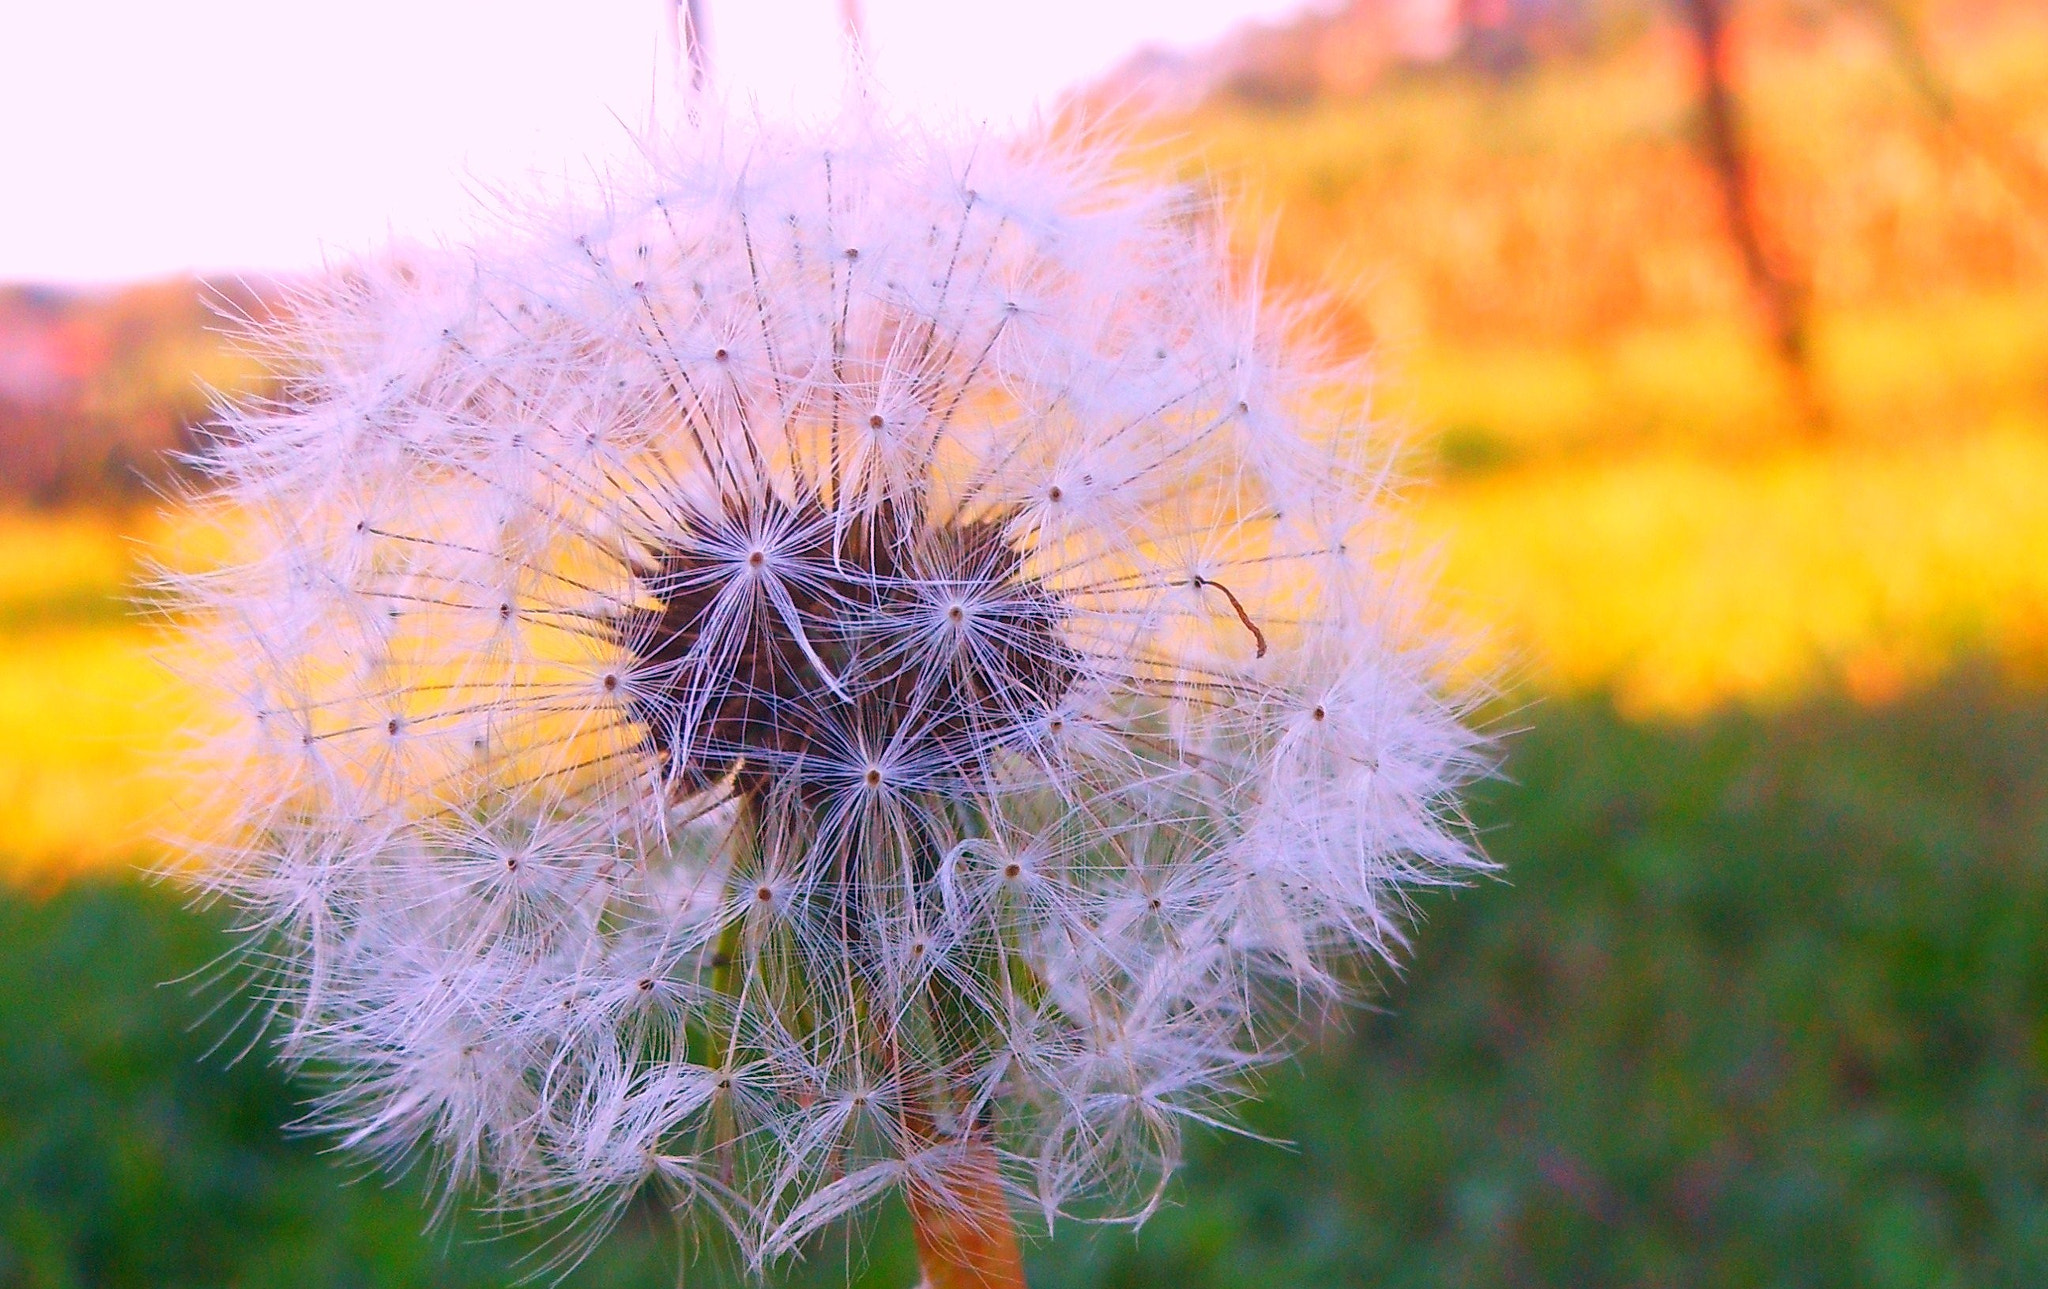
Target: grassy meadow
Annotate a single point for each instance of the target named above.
(1762, 1001)
(1763, 996)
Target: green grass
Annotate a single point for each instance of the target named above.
(1762, 1001)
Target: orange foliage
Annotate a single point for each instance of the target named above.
(98, 388)
(1568, 202)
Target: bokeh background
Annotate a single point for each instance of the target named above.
(1716, 332)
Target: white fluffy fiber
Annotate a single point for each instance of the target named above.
(847, 643)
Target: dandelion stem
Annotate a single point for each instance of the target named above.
(965, 1236)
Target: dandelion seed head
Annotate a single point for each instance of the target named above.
(846, 640)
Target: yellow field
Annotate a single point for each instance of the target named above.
(86, 715)
(1678, 574)
(1679, 582)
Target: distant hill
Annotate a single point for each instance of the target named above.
(1343, 50)
(99, 387)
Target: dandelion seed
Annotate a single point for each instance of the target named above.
(883, 765)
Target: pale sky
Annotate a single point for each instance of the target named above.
(145, 137)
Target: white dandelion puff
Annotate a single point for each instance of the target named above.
(854, 662)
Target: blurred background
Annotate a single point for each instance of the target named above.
(1716, 332)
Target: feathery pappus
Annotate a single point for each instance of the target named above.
(850, 661)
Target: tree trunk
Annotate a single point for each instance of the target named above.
(1780, 296)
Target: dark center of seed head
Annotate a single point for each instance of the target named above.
(772, 692)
